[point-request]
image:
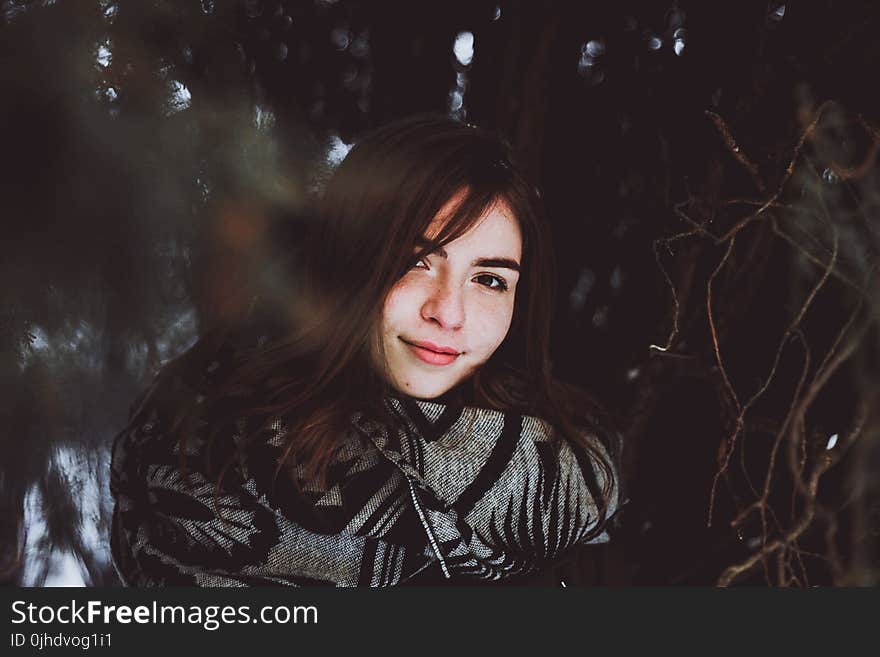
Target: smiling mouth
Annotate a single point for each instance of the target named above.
(432, 354)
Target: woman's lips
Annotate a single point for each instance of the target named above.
(432, 354)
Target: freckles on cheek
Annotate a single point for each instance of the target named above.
(397, 303)
(498, 320)
(388, 317)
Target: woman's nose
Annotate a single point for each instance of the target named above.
(444, 305)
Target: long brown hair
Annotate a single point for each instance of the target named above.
(316, 369)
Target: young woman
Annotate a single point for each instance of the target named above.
(394, 421)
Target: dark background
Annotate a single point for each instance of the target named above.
(151, 153)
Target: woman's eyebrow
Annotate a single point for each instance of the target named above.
(504, 263)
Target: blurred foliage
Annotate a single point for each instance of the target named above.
(714, 217)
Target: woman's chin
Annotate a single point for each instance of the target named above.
(429, 394)
(426, 390)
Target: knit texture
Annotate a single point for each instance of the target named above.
(482, 494)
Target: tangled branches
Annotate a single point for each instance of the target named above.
(816, 227)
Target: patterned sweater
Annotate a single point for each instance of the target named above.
(480, 495)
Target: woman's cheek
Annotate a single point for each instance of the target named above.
(401, 302)
(496, 315)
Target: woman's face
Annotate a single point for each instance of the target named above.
(447, 315)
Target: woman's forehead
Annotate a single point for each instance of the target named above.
(496, 207)
(496, 230)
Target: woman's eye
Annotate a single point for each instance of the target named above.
(491, 281)
(422, 263)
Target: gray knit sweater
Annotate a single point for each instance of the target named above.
(483, 495)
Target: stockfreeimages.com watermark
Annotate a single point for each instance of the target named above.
(210, 617)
